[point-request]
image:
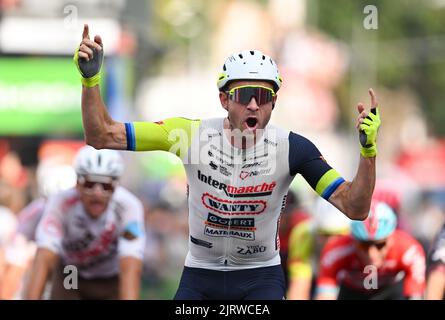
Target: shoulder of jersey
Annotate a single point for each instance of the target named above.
(214, 123)
(281, 132)
(125, 195)
(32, 210)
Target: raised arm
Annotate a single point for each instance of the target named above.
(354, 198)
(100, 130)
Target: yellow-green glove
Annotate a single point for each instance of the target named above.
(368, 134)
(89, 70)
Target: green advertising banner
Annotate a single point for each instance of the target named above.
(39, 96)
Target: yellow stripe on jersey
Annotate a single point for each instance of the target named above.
(328, 183)
(173, 135)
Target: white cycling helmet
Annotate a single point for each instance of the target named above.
(249, 65)
(104, 162)
(329, 220)
(52, 178)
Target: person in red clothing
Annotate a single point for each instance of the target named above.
(375, 262)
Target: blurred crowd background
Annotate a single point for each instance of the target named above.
(162, 60)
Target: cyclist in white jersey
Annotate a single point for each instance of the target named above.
(238, 168)
(19, 253)
(92, 233)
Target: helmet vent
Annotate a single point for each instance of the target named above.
(99, 160)
(224, 67)
(252, 53)
(264, 58)
(240, 55)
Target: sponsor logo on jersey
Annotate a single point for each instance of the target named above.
(214, 135)
(233, 223)
(256, 158)
(213, 165)
(220, 152)
(246, 174)
(233, 207)
(239, 234)
(272, 143)
(225, 171)
(219, 156)
(259, 190)
(251, 165)
(249, 250)
(97, 246)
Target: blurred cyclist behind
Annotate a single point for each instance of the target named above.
(305, 244)
(390, 193)
(375, 262)
(20, 251)
(292, 215)
(8, 222)
(435, 289)
(93, 232)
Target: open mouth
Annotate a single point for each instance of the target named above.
(251, 122)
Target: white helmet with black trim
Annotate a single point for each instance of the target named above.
(249, 65)
(104, 162)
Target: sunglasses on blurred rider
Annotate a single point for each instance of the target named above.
(365, 245)
(244, 94)
(107, 184)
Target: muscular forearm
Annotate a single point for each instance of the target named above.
(129, 278)
(42, 267)
(354, 198)
(100, 130)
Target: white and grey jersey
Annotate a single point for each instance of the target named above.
(93, 245)
(236, 196)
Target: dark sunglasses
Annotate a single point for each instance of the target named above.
(365, 245)
(244, 94)
(105, 186)
(89, 184)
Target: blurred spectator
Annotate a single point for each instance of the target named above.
(305, 244)
(8, 224)
(20, 250)
(291, 216)
(435, 289)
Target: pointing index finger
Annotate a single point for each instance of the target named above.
(374, 103)
(86, 32)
